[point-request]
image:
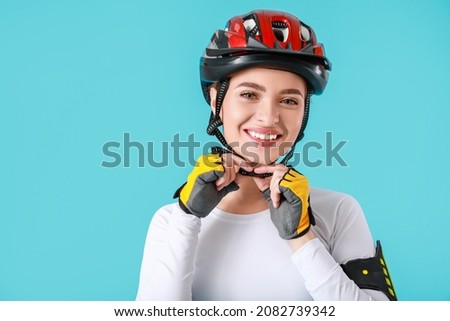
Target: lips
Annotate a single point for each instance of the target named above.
(266, 137)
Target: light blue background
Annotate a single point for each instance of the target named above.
(77, 74)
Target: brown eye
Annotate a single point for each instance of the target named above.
(248, 95)
(289, 101)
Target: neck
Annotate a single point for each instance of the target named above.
(248, 199)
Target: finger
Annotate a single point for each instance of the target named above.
(230, 169)
(221, 180)
(265, 169)
(241, 163)
(275, 193)
(271, 168)
(276, 198)
(231, 164)
(230, 160)
(278, 170)
(226, 179)
(227, 160)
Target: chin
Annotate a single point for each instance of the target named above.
(259, 157)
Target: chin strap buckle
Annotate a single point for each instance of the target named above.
(220, 150)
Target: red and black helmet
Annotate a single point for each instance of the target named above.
(266, 38)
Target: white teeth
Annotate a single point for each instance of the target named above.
(262, 136)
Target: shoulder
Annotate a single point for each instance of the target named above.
(167, 210)
(171, 214)
(164, 212)
(340, 221)
(330, 202)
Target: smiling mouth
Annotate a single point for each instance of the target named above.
(263, 137)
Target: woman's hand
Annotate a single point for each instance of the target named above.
(272, 182)
(231, 164)
(287, 192)
(211, 179)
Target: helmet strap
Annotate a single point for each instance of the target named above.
(215, 121)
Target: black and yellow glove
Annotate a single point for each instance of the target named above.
(293, 217)
(199, 195)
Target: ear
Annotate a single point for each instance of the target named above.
(213, 96)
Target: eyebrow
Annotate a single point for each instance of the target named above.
(292, 91)
(252, 85)
(289, 91)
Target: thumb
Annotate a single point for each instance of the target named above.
(228, 189)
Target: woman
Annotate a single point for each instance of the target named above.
(247, 227)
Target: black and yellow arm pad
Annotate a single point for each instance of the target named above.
(371, 273)
(199, 195)
(293, 217)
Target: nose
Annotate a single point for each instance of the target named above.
(268, 114)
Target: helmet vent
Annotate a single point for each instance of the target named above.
(306, 35)
(280, 30)
(250, 26)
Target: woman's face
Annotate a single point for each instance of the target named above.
(262, 113)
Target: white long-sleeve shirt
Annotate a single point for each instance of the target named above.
(227, 256)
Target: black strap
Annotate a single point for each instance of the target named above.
(371, 273)
(219, 150)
